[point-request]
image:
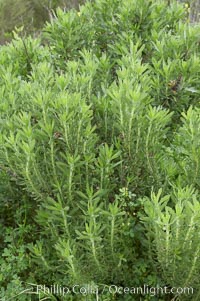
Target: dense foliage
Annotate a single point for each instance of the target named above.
(99, 153)
(31, 15)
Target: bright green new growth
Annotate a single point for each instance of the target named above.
(174, 236)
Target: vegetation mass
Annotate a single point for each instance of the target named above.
(100, 154)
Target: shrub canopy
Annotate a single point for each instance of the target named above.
(97, 115)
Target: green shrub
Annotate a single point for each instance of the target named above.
(95, 114)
